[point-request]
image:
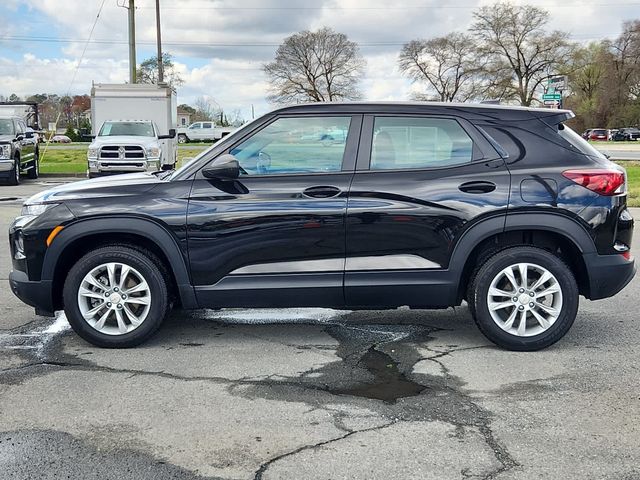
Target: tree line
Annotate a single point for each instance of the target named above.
(507, 55)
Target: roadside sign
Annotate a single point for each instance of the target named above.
(557, 83)
(552, 96)
(552, 103)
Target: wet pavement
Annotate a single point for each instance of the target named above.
(318, 393)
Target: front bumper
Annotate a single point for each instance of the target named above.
(608, 274)
(34, 293)
(6, 165)
(114, 166)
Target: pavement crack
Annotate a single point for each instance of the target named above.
(263, 468)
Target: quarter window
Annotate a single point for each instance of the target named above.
(294, 146)
(415, 142)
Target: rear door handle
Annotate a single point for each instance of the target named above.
(321, 191)
(477, 187)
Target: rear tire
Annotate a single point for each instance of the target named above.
(97, 284)
(34, 171)
(505, 291)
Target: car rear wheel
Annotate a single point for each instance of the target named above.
(34, 172)
(116, 296)
(524, 298)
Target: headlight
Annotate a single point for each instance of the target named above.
(5, 151)
(153, 152)
(36, 209)
(92, 152)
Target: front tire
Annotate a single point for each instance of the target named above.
(116, 296)
(182, 138)
(14, 174)
(524, 298)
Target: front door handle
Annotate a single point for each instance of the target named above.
(477, 187)
(321, 191)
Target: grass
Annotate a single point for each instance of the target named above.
(633, 180)
(75, 161)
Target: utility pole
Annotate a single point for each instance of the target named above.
(132, 41)
(160, 64)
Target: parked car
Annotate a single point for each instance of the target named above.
(18, 150)
(627, 134)
(60, 139)
(611, 133)
(203, 131)
(586, 133)
(598, 134)
(123, 146)
(424, 205)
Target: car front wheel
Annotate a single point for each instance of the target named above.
(524, 298)
(182, 138)
(116, 296)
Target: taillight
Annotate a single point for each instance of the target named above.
(604, 182)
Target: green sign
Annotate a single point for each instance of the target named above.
(552, 96)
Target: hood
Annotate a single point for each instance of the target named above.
(123, 140)
(7, 138)
(110, 186)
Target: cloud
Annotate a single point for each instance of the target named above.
(220, 45)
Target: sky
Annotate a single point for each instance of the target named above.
(219, 46)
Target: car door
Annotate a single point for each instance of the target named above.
(207, 131)
(420, 182)
(276, 235)
(195, 131)
(27, 145)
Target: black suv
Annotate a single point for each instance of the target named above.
(418, 204)
(18, 150)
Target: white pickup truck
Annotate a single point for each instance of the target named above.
(203, 131)
(129, 146)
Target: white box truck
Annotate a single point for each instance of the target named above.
(133, 128)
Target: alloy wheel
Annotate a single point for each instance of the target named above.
(524, 299)
(114, 298)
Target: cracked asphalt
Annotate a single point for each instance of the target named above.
(317, 394)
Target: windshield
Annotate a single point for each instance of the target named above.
(136, 129)
(6, 126)
(577, 142)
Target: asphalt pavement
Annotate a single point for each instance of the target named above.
(317, 394)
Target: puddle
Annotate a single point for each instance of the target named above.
(389, 384)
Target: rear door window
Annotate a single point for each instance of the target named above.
(418, 142)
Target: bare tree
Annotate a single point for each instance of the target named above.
(148, 71)
(520, 53)
(449, 65)
(321, 66)
(206, 109)
(626, 61)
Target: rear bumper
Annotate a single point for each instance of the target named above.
(608, 274)
(34, 293)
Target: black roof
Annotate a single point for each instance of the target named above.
(468, 110)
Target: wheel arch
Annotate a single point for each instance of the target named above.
(80, 237)
(550, 231)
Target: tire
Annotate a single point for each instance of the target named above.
(182, 138)
(168, 167)
(143, 265)
(34, 172)
(547, 318)
(14, 173)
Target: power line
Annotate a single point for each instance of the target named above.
(405, 7)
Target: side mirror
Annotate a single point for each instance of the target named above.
(225, 167)
(88, 136)
(172, 134)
